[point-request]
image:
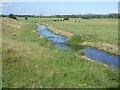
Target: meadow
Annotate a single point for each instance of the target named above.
(30, 61)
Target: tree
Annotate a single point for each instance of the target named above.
(26, 18)
(85, 17)
(98, 17)
(12, 16)
(66, 18)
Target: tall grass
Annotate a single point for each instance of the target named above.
(75, 40)
(0, 53)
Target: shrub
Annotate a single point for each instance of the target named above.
(66, 18)
(26, 18)
(82, 53)
(85, 17)
(12, 16)
(74, 40)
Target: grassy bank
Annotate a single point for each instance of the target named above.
(30, 61)
(1, 53)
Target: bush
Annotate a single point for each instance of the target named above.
(12, 16)
(26, 18)
(81, 53)
(85, 17)
(75, 40)
(66, 18)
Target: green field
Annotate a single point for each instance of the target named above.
(30, 61)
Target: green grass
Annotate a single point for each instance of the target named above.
(1, 53)
(75, 40)
(30, 62)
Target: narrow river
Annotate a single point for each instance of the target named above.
(92, 53)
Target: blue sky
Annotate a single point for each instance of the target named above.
(52, 8)
(62, 0)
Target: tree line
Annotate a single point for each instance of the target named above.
(88, 16)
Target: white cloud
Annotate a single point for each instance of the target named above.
(1, 5)
(6, 2)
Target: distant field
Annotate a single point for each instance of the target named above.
(30, 61)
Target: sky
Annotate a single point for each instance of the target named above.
(61, 0)
(57, 8)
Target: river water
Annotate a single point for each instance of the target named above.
(92, 53)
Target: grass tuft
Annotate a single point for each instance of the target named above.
(75, 40)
